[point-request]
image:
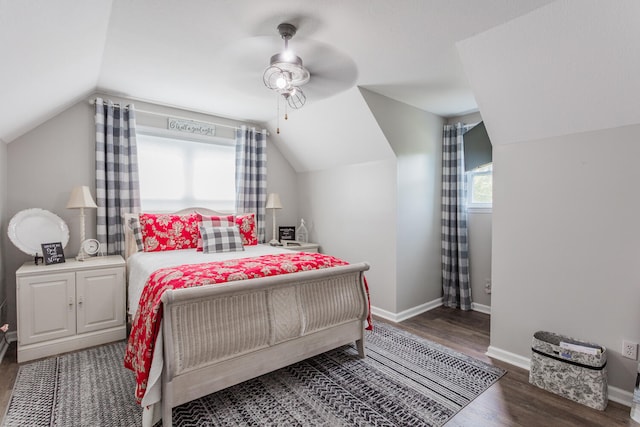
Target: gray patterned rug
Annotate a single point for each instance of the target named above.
(404, 380)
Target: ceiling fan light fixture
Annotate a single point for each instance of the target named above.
(287, 56)
(286, 72)
(293, 65)
(281, 82)
(295, 97)
(273, 77)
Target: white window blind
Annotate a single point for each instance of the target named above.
(178, 173)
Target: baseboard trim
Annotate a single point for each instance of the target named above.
(486, 309)
(620, 396)
(508, 357)
(27, 352)
(406, 314)
(419, 309)
(615, 394)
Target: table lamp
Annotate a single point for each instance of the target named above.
(273, 202)
(81, 199)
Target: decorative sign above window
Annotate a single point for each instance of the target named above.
(191, 126)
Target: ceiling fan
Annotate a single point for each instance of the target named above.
(286, 72)
(245, 64)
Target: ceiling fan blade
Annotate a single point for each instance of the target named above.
(249, 54)
(241, 65)
(331, 72)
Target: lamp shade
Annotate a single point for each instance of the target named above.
(273, 201)
(81, 198)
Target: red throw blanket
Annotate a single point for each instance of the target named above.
(146, 325)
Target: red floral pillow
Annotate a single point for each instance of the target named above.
(212, 221)
(165, 232)
(247, 225)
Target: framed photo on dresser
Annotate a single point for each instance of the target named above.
(52, 253)
(286, 233)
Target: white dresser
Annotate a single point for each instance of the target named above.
(69, 306)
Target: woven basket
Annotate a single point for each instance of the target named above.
(575, 375)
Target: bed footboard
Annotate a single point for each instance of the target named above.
(218, 336)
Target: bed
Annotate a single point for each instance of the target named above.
(213, 337)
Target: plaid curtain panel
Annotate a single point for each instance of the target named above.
(455, 248)
(117, 184)
(221, 239)
(251, 175)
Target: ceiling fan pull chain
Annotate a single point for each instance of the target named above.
(278, 115)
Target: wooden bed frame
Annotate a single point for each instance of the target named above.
(251, 327)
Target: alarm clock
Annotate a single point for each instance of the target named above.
(90, 247)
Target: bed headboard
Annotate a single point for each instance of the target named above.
(130, 241)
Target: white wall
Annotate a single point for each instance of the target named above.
(565, 243)
(281, 179)
(3, 225)
(351, 213)
(479, 223)
(415, 137)
(385, 212)
(44, 164)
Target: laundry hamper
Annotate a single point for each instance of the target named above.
(570, 368)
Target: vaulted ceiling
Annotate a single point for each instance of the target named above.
(537, 67)
(208, 55)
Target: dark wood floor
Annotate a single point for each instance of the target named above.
(8, 371)
(512, 401)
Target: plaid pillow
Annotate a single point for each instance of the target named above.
(212, 221)
(221, 239)
(134, 225)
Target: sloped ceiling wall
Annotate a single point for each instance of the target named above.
(48, 64)
(336, 132)
(208, 56)
(571, 66)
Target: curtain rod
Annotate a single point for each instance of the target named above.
(93, 102)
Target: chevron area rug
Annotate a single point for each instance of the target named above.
(403, 381)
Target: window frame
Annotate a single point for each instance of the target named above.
(469, 175)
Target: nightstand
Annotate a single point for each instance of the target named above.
(301, 246)
(68, 306)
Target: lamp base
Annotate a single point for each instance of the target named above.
(274, 242)
(81, 256)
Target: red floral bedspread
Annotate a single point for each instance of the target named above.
(146, 325)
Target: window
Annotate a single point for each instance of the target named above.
(176, 173)
(480, 187)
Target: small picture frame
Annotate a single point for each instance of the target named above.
(52, 253)
(286, 233)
